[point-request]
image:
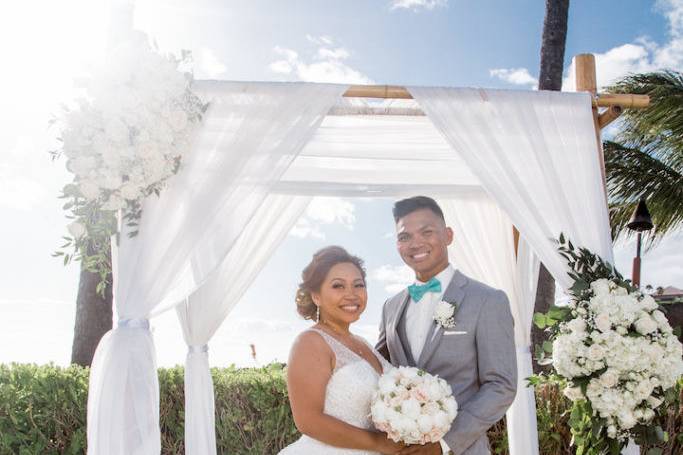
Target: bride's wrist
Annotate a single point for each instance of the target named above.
(377, 440)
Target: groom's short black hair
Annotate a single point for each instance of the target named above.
(412, 204)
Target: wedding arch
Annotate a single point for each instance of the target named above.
(493, 158)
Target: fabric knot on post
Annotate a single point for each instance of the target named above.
(198, 349)
(133, 323)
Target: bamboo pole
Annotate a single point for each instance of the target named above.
(610, 115)
(586, 81)
(398, 92)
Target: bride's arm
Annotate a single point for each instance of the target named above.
(310, 367)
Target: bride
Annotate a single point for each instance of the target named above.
(332, 373)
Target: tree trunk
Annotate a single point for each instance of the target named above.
(93, 317)
(550, 78)
(552, 45)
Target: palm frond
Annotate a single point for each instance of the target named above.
(658, 129)
(632, 174)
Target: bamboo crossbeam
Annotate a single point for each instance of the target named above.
(609, 115)
(625, 101)
(378, 91)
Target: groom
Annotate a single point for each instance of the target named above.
(476, 355)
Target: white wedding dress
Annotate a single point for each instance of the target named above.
(347, 397)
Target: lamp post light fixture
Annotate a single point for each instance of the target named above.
(640, 222)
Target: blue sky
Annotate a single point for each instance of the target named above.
(413, 42)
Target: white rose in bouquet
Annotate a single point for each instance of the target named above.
(413, 406)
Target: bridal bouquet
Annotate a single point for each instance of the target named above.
(413, 406)
(614, 351)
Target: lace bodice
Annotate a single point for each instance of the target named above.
(347, 396)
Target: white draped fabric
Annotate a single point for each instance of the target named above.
(205, 310)
(483, 248)
(250, 135)
(521, 417)
(494, 157)
(535, 153)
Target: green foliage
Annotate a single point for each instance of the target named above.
(93, 248)
(42, 409)
(588, 430)
(43, 412)
(646, 160)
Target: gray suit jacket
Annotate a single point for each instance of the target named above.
(480, 365)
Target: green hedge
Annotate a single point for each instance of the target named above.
(42, 411)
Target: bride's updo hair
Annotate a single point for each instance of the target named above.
(315, 272)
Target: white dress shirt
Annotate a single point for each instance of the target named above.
(420, 317)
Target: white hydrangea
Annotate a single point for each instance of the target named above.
(625, 346)
(127, 138)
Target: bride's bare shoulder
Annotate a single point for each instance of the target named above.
(310, 341)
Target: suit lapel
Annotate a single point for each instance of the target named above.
(454, 293)
(393, 338)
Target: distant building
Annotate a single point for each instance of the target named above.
(668, 294)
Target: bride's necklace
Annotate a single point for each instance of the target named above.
(339, 336)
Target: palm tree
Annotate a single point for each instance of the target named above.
(646, 158)
(550, 78)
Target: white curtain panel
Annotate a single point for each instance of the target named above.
(377, 156)
(535, 153)
(522, 426)
(205, 310)
(483, 248)
(251, 134)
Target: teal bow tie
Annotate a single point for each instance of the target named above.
(417, 291)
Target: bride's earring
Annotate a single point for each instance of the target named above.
(317, 313)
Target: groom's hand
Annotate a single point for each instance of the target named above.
(433, 448)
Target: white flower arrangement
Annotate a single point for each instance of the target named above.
(413, 406)
(627, 348)
(129, 135)
(122, 142)
(615, 352)
(444, 314)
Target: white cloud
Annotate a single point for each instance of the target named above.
(208, 64)
(392, 277)
(281, 67)
(661, 265)
(18, 192)
(28, 178)
(324, 211)
(288, 54)
(641, 55)
(333, 71)
(327, 64)
(517, 76)
(417, 5)
(320, 40)
(333, 54)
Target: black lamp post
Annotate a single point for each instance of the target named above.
(640, 222)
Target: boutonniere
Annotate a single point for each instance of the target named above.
(444, 314)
